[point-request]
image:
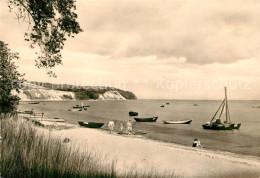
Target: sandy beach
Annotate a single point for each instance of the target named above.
(138, 153)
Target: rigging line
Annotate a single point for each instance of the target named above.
(217, 111)
(222, 110)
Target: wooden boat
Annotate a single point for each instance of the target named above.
(91, 124)
(147, 119)
(236, 126)
(81, 107)
(167, 103)
(34, 103)
(256, 106)
(178, 122)
(216, 123)
(132, 113)
(75, 110)
(27, 112)
(195, 104)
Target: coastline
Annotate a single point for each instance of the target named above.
(103, 111)
(141, 153)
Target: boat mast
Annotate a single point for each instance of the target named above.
(226, 105)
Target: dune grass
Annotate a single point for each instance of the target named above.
(27, 152)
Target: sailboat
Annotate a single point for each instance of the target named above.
(216, 123)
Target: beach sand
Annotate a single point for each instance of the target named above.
(137, 153)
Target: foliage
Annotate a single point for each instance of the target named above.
(51, 21)
(86, 92)
(10, 79)
(82, 94)
(29, 153)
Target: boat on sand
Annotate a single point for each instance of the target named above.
(91, 124)
(146, 119)
(178, 121)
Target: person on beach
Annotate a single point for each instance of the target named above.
(121, 127)
(129, 127)
(111, 125)
(31, 114)
(196, 143)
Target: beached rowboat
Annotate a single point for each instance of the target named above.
(148, 119)
(91, 124)
(178, 122)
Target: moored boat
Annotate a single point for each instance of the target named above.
(178, 121)
(256, 106)
(75, 110)
(218, 126)
(132, 113)
(236, 126)
(162, 106)
(27, 112)
(216, 123)
(167, 103)
(91, 124)
(146, 119)
(34, 103)
(80, 107)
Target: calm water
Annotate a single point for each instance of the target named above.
(246, 140)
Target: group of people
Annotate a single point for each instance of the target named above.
(129, 127)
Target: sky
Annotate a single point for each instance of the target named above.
(178, 49)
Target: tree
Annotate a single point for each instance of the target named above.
(10, 79)
(51, 21)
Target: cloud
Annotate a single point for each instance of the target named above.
(201, 31)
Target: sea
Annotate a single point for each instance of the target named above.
(244, 141)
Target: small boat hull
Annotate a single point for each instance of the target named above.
(132, 113)
(150, 119)
(91, 124)
(178, 122)
(75, 109)
(34, 103)
(256, 106)
(80, 107)
(218, 126)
